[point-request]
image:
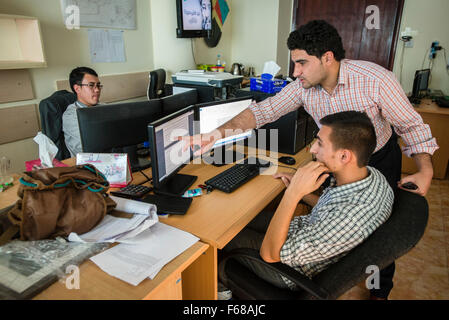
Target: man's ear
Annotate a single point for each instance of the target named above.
(77, 88)
(328, 57)
(346, 156)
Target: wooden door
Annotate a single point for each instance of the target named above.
(351, 18)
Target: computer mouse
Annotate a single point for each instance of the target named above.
(287, 160)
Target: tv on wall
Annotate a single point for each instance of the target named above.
(194, 18)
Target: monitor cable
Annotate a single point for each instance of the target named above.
(148, 178)
(193, 52)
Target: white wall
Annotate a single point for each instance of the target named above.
(66, 49)
(175, 54)
(430, 19)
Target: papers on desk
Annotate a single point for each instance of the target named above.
(144, 255)
(145, 244)
(113, 229)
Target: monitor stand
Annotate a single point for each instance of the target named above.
(176, 185)
(226, 155)
(137, 163)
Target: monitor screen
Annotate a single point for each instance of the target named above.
(106, 128)
(167, 154)
(214, 114)
(420, 82)
(194, 18)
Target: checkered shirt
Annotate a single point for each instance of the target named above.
(342, 219)
(362, 86)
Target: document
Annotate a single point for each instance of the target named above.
(114, 229)
(143, 256)
(106, 45)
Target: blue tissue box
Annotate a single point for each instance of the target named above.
(267, 85)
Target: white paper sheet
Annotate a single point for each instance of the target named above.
(106, 45)
(144, 255)
(112, 229)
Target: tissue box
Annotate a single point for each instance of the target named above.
(265, 85)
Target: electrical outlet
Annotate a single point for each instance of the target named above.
(409, 44)
(409, 32)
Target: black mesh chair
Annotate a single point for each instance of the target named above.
(156, 86)
(51, 110)
(400, 233)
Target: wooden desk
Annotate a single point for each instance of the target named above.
(438, 120)
(95, 284)
(215, 218)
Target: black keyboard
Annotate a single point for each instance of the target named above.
(237, 175)
(169, 204)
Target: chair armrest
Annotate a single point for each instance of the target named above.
(297, 278)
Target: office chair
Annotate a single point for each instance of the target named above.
(51, 110)
(400, 233)
(156, 86)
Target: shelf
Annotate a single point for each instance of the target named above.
(21, 43)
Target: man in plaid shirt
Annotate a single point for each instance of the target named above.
(327, 83)
(358, 200)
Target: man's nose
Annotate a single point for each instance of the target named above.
(313, 148)
(297, 71)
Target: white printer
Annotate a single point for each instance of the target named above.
(206, 78)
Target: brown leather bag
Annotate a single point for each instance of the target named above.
(57, 201)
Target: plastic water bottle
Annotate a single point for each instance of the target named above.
(218, 60)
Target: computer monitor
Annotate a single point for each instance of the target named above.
(118, 128)
(214, 114)
(179, 101)
(167, 154)
(420, 82)
(194, 18)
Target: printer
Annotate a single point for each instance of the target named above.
(206, 78)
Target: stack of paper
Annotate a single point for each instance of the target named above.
(145, 255)
(112, 229)
(145, 244)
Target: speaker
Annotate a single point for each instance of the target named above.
(292, 132)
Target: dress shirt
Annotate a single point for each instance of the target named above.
(342, 219)
(362, 86)
(71, 128)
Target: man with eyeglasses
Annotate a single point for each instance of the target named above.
(85, 83)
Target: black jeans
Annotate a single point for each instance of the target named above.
(387, 160)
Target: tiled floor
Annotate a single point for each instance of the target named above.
(423, 273)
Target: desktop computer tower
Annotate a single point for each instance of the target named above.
(312, 129)
(292, 132)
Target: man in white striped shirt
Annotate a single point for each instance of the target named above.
(358, 200)
(325, 84)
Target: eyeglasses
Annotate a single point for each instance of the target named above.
(92, 85)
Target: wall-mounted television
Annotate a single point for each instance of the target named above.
(194, 18)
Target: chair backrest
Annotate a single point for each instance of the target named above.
(51, 110)
(400, 233)
(156, 86)
(176, 102)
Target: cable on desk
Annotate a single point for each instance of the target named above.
(288, 167)
(148, 178)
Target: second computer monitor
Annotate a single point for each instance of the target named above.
(214, 114)
(420, 82)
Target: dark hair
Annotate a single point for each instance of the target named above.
(316, 38)
(77, 75)
(352, 130)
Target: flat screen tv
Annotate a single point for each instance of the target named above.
(194, 18)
